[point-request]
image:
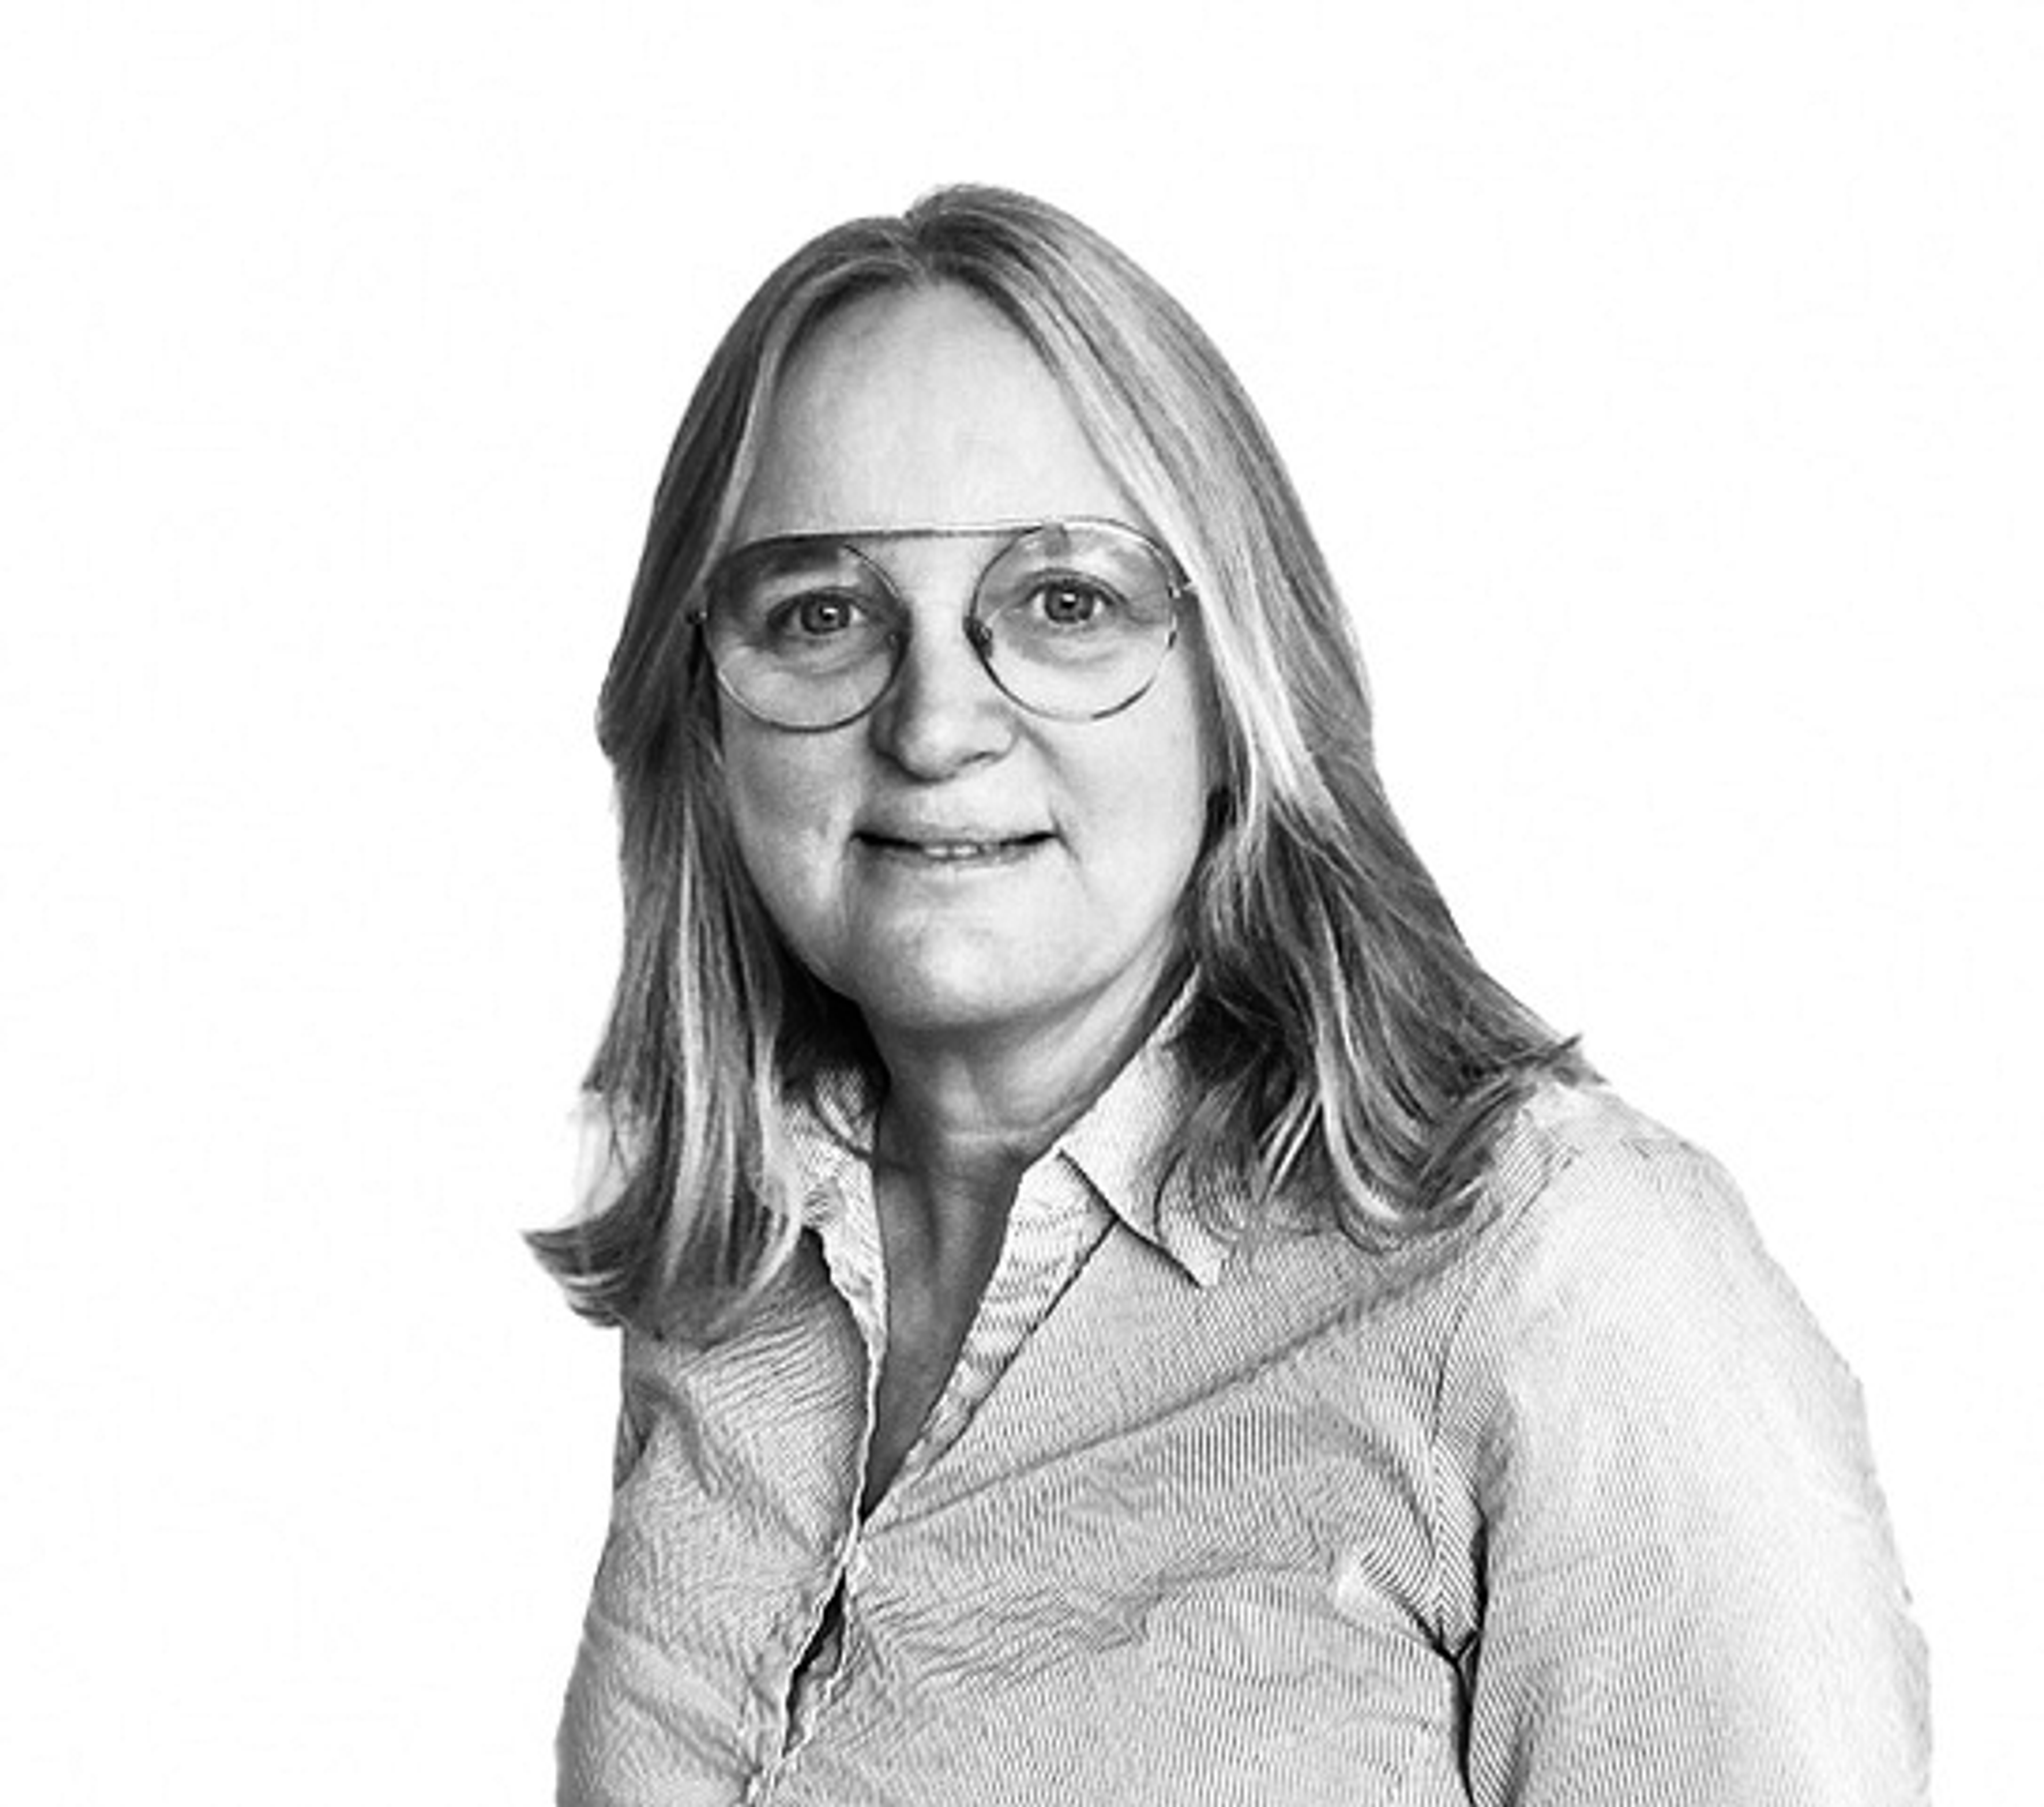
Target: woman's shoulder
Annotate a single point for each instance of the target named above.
(1609, 1252)
(1562, 1125)
(1577, 1163)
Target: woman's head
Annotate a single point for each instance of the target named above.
(962, 752)
(1338, 1024)
(1165, 422)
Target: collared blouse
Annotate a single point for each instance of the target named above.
(1568, 1503)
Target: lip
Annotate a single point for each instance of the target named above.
(950, 848)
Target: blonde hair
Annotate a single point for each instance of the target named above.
(1349, 1052)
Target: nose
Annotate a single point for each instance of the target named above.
(943, 712)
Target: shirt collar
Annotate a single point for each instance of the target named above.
(1124, 1147)
(1127, 1146)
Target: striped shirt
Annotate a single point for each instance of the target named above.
(1568, 1503)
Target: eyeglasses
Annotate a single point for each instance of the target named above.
(1073, 619)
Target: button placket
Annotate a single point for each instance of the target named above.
(806, 1638)
(1053, 1227)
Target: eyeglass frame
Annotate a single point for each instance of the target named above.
(1179, 592)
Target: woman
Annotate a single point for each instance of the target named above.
(1118, 1305)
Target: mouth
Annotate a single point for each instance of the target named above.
(948, 850)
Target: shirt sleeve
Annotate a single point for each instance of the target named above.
(1677, 1578)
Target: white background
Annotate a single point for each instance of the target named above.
(1665, 381)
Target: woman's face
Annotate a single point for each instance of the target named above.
(957, 867)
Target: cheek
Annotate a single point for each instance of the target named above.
(1155, 788)
(782, 809)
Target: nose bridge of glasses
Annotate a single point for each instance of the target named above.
(933, 579)
(943, 655)
(939, 705)
(933, 582)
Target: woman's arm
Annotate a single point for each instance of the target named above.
(1677, 1565)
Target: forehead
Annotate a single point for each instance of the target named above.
(921, 408)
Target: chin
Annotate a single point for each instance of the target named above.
(921, 1005)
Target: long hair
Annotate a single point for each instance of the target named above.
(1349, 1051)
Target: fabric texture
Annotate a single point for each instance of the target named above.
(1570, 1504)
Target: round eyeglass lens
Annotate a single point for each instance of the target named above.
(803, 633)
(1075, 618)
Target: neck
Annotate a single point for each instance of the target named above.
(964, 1115)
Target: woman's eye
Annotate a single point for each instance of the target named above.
(817, 616)
(1067, 603)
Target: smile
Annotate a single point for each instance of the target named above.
(1002, 851)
